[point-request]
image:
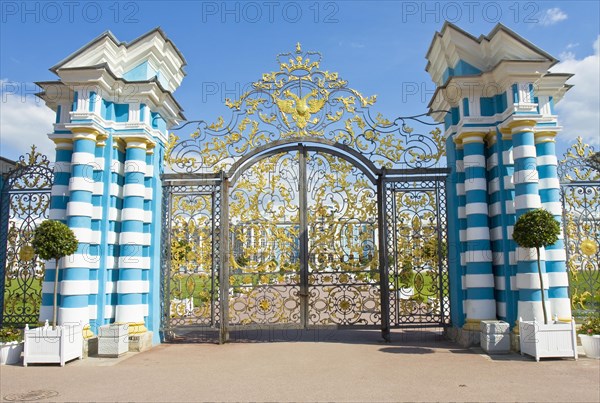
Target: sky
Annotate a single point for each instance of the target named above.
(379, 47)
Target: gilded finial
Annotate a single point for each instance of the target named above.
(298, 48)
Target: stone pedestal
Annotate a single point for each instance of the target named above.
(495, 337)
(113, 340)
(140, 342)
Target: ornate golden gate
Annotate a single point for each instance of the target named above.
(304, 234)
(579, 173)
(303, 211)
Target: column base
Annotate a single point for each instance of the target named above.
(465, 338)
(470, 334)
(468, 338)
(137, 328)
(87, 332)
(472, 325)
(140, 342)
(515, 339)
(134, 327)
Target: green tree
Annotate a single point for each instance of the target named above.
(537, 229)
(54, 240)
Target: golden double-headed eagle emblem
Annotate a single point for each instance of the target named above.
(301, 109)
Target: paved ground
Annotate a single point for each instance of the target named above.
(317, 366)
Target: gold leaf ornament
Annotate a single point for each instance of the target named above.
(589, 247)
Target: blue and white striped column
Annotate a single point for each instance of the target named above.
(479, 278)
(549, 189)
(525, 179)
(153, 171)
(59, 197)
(102, 208)
(117, 180)
(148, 205)
(131, 286)
(462, 222)
(455, 270)
(506, 166)
(96, 272)
(496, 224)
(76, 286)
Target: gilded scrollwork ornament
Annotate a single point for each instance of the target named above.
(302, 102)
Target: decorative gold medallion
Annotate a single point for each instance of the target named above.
(589, 247)
(26, 253)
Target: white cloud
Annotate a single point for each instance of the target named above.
(552, 16)
(566, 55)
(579, 111)
(355, 45)
(24, 121)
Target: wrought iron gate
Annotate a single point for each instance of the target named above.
(579, 174)
(191, 254)
(25, 203)
(304, 243)
(279, 218)
(417, 261)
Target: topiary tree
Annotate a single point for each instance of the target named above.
(54, 240)
(537, 229)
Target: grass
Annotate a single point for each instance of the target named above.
(14, 305)
(425, 284)
(585, 296)
(199, 286)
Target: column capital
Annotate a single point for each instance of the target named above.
(545, 137)
(135, 142)
(101, 139)
(62, 142)
(518, 126)
(138, 142)
(458, 142)
(491, 138)
(85, 133)
(506, 133)
(471, 137)
(118, 143)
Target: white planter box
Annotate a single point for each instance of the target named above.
(47, 345)
(10, 352)
(556, 339)
(591, 345)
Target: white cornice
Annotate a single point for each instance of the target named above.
(92, 120)
(498, 80)
(453, 44)
(121, 57)
(115, 89)
(490, 123)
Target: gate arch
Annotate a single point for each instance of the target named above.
(311, 144)
(302, 109)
